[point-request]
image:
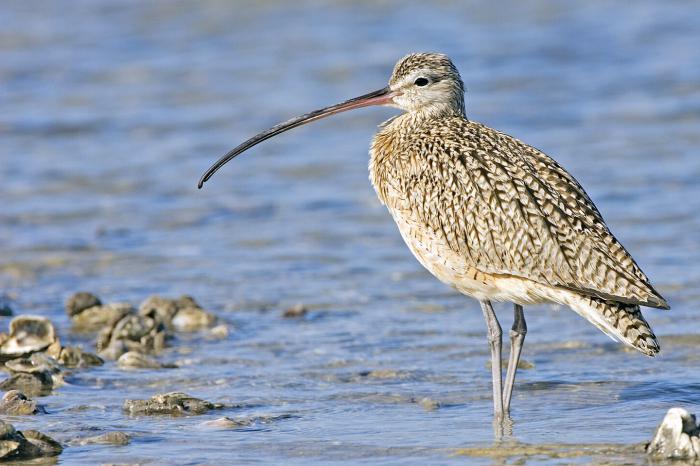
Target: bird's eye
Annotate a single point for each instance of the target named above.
(421, 82)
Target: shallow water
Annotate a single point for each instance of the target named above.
(112, 110)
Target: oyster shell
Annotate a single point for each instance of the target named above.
(131, 333)
(174, 403)
(135, 360)
(93, 318)
(28, 334)
(80, 301)
(16, 403)
(183, 314)
(16, 445)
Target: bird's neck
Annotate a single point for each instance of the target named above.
(437, 110)
(390, 146)
(427, 116)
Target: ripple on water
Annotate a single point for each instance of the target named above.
(109, 119)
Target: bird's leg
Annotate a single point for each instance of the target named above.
(495, 343)
(517, 337)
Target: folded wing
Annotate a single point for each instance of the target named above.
(510, 209)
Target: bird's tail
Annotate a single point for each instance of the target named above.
(620, 321)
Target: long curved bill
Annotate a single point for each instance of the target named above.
(381, 97)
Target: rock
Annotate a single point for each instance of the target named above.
(174, 403)
(135, 360)
(16, 445)
(190, 319)
(37, 362)
(47, 445)
(28, 334)
(71, 356)
(131, 333)
(226, 423)
(295, 312)
(35, 384)
(9, 441)
(81, 301)
(386, 374)
(220, 332)
(429, 404)
(95, 317)
(36, 375)
(247, 421)
(113, 350)
(15, 403)
(8, 448)
(134, 328)
(159, 307)
(108, 438)
(183, 314)
(677, 437)
(54, 349)
(186, 301)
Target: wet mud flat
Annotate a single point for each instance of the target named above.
(37, 364)
(79, 394)
(110, 117)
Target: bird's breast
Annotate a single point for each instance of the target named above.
(392, 168)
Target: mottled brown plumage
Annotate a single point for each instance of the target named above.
(477, 205)
(491, 216)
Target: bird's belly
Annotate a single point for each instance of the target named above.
(454, 269)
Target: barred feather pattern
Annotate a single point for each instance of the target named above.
(498, 219)
(503, 207)
(621, 322)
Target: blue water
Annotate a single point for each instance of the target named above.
(111, 110)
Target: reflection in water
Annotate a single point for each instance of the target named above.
(513, 452)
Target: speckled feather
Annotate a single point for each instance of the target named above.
(476, 205)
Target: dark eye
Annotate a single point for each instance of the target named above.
(421, 82)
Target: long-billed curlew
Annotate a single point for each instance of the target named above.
(491, 216)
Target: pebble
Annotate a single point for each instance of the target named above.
(35, 375)
(174, 403)
(74, 357)
(190, 319)
(295, 312)
(246, 421)
(108, 438)
(155, 305)
(132, 333)
(95, 317)
(220, 332)
(16, 403)
(35, 384)
(16, 445)
(429, 404)
(80, 301)
(183, 314)
(136, 360)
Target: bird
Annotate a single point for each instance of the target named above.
(491, 216)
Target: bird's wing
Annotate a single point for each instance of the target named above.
(510, 209)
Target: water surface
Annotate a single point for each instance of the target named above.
(111, 110)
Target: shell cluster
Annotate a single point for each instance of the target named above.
(36, 361)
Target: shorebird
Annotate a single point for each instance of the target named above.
(491, 216)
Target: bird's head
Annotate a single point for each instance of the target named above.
(427, 82)
(422, 83)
